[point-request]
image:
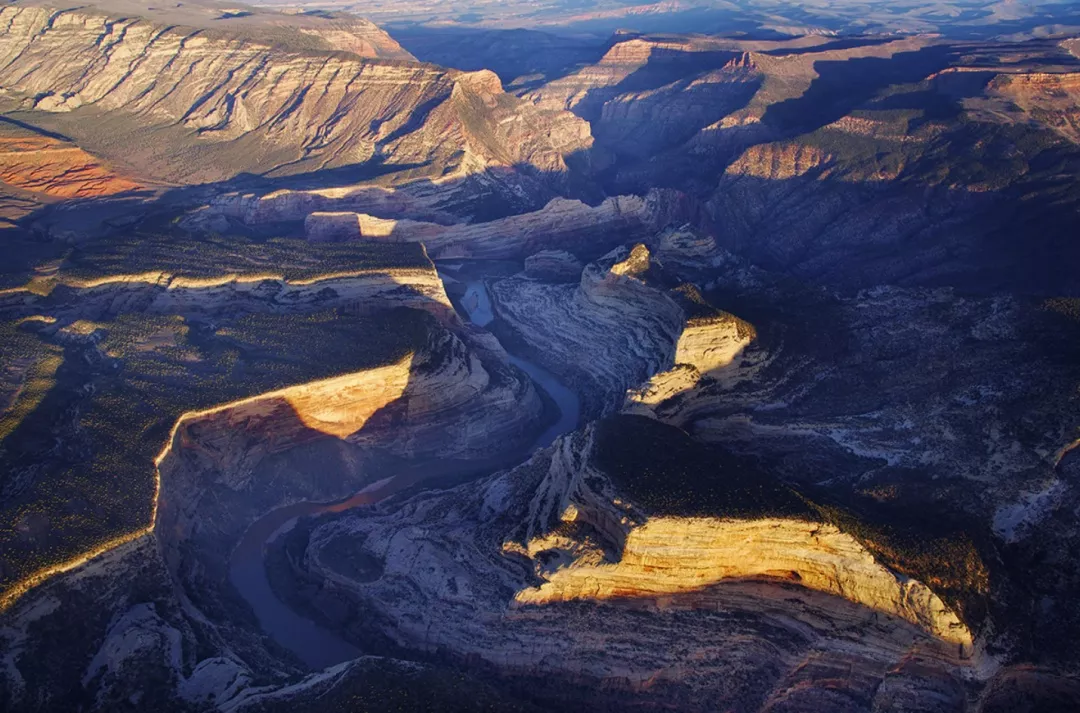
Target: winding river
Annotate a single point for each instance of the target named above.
(318, 646)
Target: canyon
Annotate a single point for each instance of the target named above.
(455, 366)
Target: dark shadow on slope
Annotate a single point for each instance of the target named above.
(844, 43)
(678, 99)
(700, 20)
(36, 129)
(665, 66)
(845, 85)
(532, 58)
(311, 180)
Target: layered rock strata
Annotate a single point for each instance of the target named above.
(58, 169)
(162, 607)
(554, 266)
(159, 292)
(556, 549)
(301, 109)
(562, 224)
(442, 404)
(615, 328)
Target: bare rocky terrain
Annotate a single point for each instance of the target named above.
(500, 362)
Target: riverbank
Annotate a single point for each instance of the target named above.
(316, 643)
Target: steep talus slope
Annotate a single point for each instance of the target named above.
(197, 104)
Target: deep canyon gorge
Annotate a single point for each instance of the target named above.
(547, 359)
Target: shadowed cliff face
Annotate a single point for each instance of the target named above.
(221, 470)
(618, 326)
(103, 364)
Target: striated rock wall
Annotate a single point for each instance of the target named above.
(562, 224)
(614, 329)
(553, 265)
(605, 334)
(298, 105)
(163, 293)
(778, 161)
(647, 95)
(442, 402)
(567, 578)
(670, 555)
(161, 607)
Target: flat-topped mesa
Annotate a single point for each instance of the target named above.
(365, 289)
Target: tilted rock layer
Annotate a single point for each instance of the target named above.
(615, 328)
(556, 550)
(286, 106)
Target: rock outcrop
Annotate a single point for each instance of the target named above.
(562, 224)
(555, 545)
(162, 292)
(442, 405)
(616, 328)
(185, 341)
(647, 95)
(553, 266)
(58, 169)
(1049, 99)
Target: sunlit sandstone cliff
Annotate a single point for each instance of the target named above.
(264, 106)
(455, 380)
(224, 467)
(444, 402)
(671, 555)
(556, 548)
(159, 292)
